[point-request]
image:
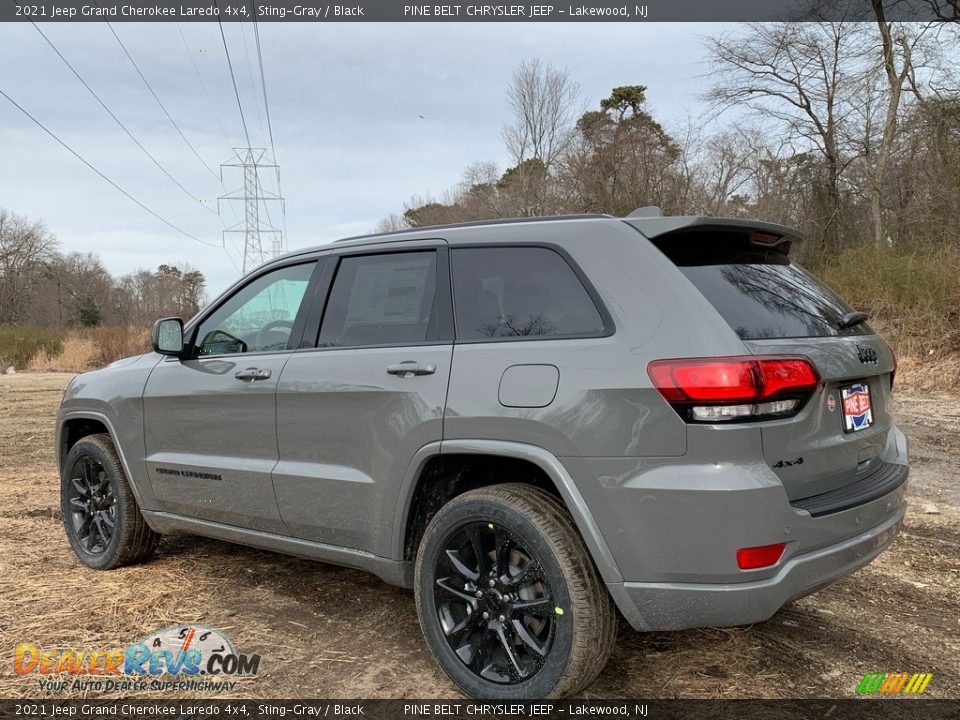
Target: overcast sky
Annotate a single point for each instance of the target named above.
(345, 101)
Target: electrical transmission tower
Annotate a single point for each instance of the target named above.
(253, 226)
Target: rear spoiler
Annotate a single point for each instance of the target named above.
(773, 234)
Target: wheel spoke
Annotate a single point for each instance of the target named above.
(476, 542)
(462, 630)
(108, 520)
(79, 505)
(101, 530)
(88, 473)
(445, 585)
(515, 669)
(529, 573)
(81, 489)
(527, 639)
(537, 606)
(89, 540)
(482, 651)
(504, 546)
(461, 567)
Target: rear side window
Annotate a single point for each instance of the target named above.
(382, 300)
(757, 289)
(512, 292)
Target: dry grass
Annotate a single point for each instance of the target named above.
(913, 297)
(91, 348)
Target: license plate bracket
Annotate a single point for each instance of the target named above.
(857, 407)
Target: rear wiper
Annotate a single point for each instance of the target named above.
(851, 319)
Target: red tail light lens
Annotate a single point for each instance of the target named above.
(720, 389)
(753, 558)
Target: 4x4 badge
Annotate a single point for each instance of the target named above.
(866, 354)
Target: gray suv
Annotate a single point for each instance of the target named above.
(533, 424)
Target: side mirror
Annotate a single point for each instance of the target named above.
(168, 336)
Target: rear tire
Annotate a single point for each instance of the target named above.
(512, 551)
(103, 523)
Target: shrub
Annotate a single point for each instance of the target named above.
(20, 343)
(90, 348)
(913, 297)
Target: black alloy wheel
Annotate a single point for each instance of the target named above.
(102, 520)
(494, 603)
(93, 506)
(509, 600)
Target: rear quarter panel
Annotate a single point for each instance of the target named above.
(605, 404)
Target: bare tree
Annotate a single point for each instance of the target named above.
(24, 246)
(804, 79)
(544, 103)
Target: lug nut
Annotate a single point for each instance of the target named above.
(479, 593)
(492, 583)
(486, 616)
(503, 619)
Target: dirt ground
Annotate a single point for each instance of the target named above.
(329, 632)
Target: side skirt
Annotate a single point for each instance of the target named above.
(392, 572)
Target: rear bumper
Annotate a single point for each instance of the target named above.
(673, 526)
(675, 606)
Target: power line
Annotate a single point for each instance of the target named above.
(233, 78)
(216, 115)
(203, 85)
(159, 102)
(266, 107)
(253, 87)
(119, 122)
(111, 182)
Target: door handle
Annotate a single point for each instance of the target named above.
(409, 368)
(253, 374)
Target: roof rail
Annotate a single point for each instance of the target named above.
(647, 211)
(474, 223)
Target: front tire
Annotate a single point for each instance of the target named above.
(100, 515)
(509, 600)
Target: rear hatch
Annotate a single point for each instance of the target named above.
(776, 307)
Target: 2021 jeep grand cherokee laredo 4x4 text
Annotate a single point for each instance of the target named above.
(531, 423)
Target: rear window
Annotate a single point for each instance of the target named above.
(757, 290)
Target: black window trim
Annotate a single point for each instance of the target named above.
(608, 329)
(299, 324)
(443, 300)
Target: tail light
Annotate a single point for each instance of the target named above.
(735, 388)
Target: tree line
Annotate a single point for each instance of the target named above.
(848, 131)
(40, 285)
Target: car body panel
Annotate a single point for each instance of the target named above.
(347, 431)
(210, 439)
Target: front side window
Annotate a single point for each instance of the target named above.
(257, 318)
(517, 292)
(382, 300)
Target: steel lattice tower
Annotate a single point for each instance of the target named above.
(252, 227)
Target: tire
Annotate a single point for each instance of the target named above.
(94, 491)
(517, 547)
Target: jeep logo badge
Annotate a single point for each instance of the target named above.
(866, 354)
